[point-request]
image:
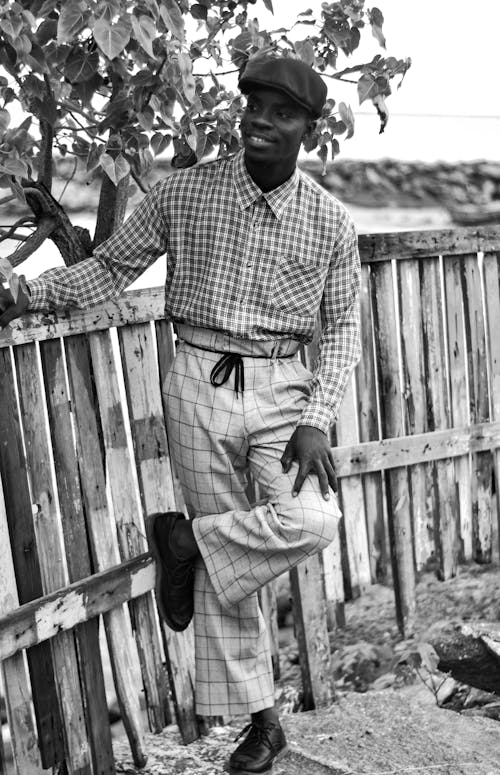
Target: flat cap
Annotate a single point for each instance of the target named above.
(292, 76)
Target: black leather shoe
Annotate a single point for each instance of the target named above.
(174, 576)
(264, 744)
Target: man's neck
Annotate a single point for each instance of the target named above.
(268, 177)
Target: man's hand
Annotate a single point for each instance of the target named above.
(10, 309)
(310, 447)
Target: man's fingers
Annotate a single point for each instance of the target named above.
(332, 477)
(299, 481)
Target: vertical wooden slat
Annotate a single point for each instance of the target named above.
(368, 414)
(492, 296)
(77, 551)
(310, 621)
(130, 525)
(50, 551)
(103, 536)
(414, 394)
(26, 565)
(352, 499)
(482, 464)
(142, 385)
(397, 484)
(459, 395)
(17, 690)
(444, 499)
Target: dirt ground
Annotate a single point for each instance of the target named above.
(377, 726)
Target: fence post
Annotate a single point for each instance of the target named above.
(26, 565)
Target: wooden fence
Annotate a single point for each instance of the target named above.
(84, 457)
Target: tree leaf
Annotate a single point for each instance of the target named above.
(4, 119)
(347, 117)
(146, 118)
(269, 6)
(172, 16)
(81, 65)
(15, 167)
(108, 166)
(198, 11)
(305, 50)
(71, 20)
(367, 87)
(122, 167)
(188, 82)
(144, 32)
(376, 20)
(112, 37)
(160, 142)
(6, 269)
(115, 169)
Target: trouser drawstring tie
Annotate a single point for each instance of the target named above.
(223, 369)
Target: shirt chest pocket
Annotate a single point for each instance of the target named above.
(297, 285)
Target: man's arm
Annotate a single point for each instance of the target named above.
(112, 267)
(339, 351)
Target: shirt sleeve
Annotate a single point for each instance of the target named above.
(339, 343)
(113, 266)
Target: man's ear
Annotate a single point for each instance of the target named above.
(311, 126)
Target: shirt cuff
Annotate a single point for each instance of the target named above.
(319, 417)
(37, 295)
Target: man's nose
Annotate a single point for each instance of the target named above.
(262, 118)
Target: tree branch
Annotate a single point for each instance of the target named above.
(47, 139)
(45, 228)
(10, 232)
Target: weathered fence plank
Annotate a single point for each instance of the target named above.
(142, 384)
(415, 408)
(444, 502)
(77, 551)
(15, 680)
(397, 484)
(26, 565)
(50, 552)
(102, 535)
(44, 617)
(353, 503)
(459, 396)
(411, 450)
(420, 244)
(368, 420)
(492, 299)
(129, 523)
(310, 620)
(482, 463)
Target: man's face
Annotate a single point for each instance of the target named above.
(273, 127)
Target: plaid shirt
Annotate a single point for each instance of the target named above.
(252, 264)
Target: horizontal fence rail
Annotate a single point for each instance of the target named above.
(84, 459)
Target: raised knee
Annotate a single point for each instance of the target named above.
(309, 521)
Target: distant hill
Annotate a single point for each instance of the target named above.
(380, 183)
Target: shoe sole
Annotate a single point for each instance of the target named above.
(149, 524)
(234, 771)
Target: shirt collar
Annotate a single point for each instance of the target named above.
(248, 192)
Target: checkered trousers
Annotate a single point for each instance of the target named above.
(216, 438)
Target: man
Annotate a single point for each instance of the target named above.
(255, 250)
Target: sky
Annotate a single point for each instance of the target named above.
(455, 56)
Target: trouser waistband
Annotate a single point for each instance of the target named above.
(216, 341)
(233, 351)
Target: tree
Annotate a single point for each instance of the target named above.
(114, 83)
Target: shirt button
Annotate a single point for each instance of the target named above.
(249, 264)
